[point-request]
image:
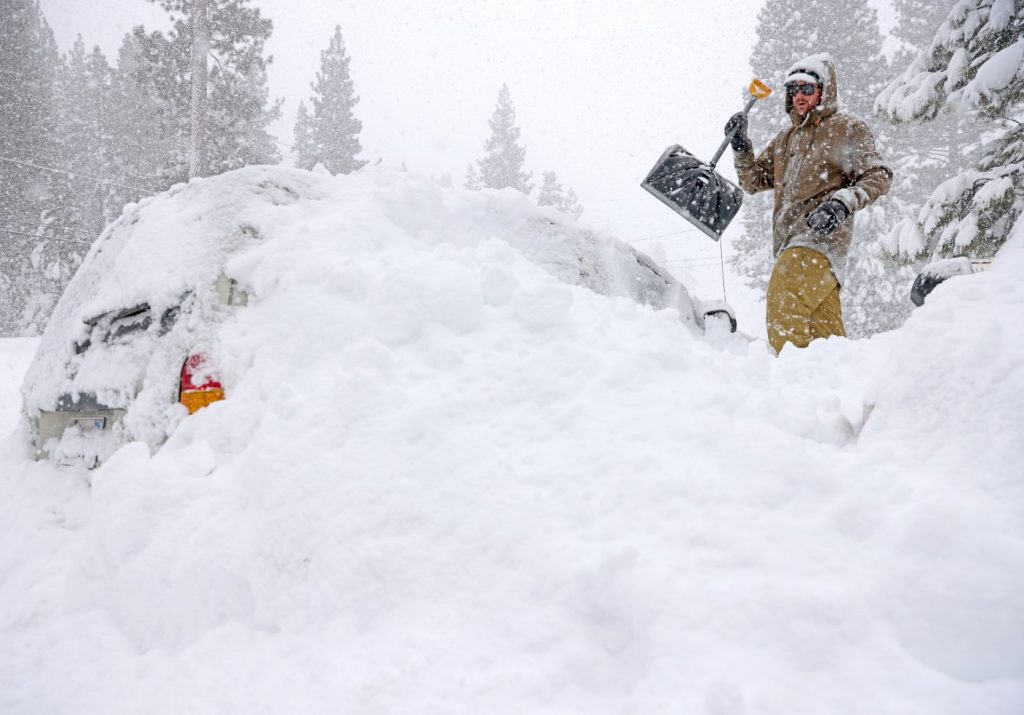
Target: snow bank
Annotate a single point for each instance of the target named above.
(955, 519)
(14, 360)
(446, 481)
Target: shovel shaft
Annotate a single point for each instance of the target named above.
(729, 136)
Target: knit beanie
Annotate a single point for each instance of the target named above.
(802, 74)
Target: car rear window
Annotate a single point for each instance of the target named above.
(123, 324)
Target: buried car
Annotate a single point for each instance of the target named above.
(111, 351)
(148, 331)
(940, 271)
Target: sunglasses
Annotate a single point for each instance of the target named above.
(808, 89)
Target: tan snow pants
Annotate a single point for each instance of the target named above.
(803, 299)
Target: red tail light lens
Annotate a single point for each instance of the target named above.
(199, 386)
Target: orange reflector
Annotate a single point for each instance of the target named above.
(195, 400)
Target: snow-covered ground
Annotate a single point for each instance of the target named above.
(447, 482)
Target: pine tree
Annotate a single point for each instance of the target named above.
(29, 66)
(552, 194)
(84, 137)
(472, 182)
(572, 206)
(305, 156)
(973, 66)
(54, 258)
(926, 153)
(238, 106)
(199, 77)
(335, 129)
(502, 165)
(787, 31)
(918, 21)
(74, 215)
(144, 127)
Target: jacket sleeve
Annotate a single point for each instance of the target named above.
(756, 174)
(866, 177)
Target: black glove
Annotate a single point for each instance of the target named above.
(826, 218)
(740, 141)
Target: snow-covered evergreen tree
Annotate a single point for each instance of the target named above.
(335, 128)
(146, 134)
(82, 197)
(472, 181)
(572, 205)
(29, 67)
(502, 165)
(974, 64)
(924, 154)
(84, 135)
(874, 296)
(55, 256)
(918, 20)
(305, 153)
(553, 194)
(239, 108)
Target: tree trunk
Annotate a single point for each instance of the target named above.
(200, 49)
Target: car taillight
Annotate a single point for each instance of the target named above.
(198, 387)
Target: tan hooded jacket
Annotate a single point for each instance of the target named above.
(826, 155)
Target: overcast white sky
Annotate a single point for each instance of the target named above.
(601, 87)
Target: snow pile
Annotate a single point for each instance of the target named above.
(14, 358)
(446, 481)
(952, 399)
(948, 267)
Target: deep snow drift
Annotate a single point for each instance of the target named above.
(447, 481)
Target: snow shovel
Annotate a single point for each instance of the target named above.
(693, 189)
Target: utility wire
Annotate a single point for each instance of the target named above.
(59, 229)
(692, 261)
(663, 235)
(626, 198)
(73, 174)
(45, 238)
(721, 257)
(62, 229)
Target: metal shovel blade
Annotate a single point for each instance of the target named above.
(694, 190)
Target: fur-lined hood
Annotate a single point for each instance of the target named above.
(822, 68)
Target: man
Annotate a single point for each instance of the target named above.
(823, 168)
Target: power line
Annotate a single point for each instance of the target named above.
(691, 265)
(62, 229)
(45, 238)
(73, 175)
(640, 217)
(711, 259)
(663, 235)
